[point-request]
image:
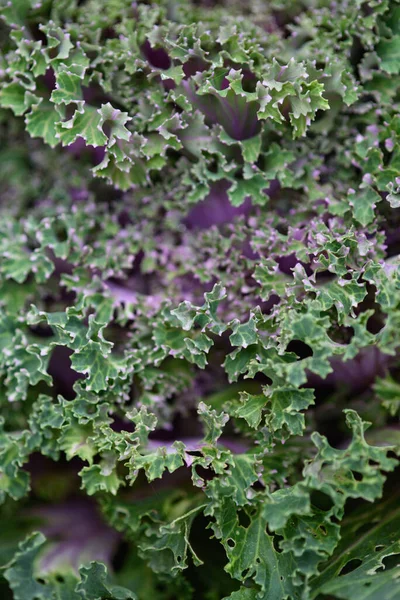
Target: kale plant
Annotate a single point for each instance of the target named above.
(199, 299)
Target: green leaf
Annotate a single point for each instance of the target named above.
(388, 391)
(169, 546)
(389, 54)
(117, 121)
(90, 360)
(251, 554)
(21, 575)
(364, 203)
(85, 124)
(243, 594)
(27, 583)
(285, 407)
(251, 149)
(252, 187)
(14, 449)
(75, 441)
(244, 334)
(250, 408)
(244, 471)
(94, 585)
(370, 556)
(15, 13)
(68, 89)
(213, 422)
(41, 122)
(16, 97)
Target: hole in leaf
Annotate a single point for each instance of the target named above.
(321, 500)
(231, 543)
(341, 334)
(376, 322)
(353, 564)
(300, 348)
(245, 573)
(60, 578)
(244, 519)
(42, 330)
(357, 476)
(62, 234)
(258, 486)
(389, 562)
(276, 540)
(213, 167)
(203, 473)
(379, 548)
(324, 276)
(195, 453)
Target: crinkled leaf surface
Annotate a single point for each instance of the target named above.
(199, 299)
